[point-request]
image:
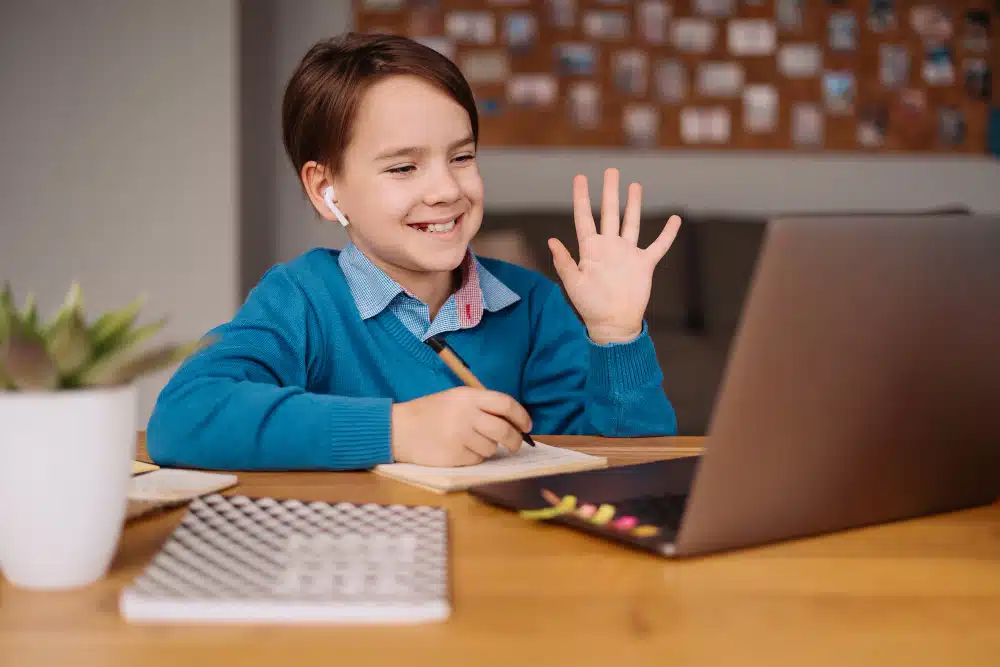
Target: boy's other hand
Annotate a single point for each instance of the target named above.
(456, 427)
(610, 286)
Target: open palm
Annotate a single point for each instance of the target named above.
(611, 284)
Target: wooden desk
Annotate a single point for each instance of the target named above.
(922, 592)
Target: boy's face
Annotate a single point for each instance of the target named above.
(410, 162)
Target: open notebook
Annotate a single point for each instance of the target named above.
(504, 466)
(153, 489)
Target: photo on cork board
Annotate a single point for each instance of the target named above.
(561, 13)
(932, 22)
(470, 27)
(843, 31)
(605, 25)
(652, 17)
(800, 61)
(383, 5)
(583, 99)
(760, 108)
(839, 92)
(692, 35)
(807, 125)
(714, 8)
(630, 70)
(873, 124)
(641, 124)
(976, 36)
(978, 79)
(520, 32)
(894, 65)
(671, 81)
(938, 68)
(576, 59)
(881, 15)
(789, 15)
(951, 126)
(483, 67)
(534, 91)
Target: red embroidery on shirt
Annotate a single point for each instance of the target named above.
(469, 296)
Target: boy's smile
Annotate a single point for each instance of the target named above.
(445, 228)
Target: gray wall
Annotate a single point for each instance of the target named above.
(118, 157)
(696, 180)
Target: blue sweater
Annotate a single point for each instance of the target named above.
(298, 381)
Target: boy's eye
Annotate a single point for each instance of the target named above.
(402, 170)
(465, 158)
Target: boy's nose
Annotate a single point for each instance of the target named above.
(443, 188)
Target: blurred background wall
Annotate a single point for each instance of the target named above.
(140, 152)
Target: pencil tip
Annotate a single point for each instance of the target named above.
(435, 343)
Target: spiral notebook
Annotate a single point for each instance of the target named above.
(235, 559)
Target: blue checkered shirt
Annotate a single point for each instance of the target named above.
(374, 291)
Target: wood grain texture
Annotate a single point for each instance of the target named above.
(920, 592)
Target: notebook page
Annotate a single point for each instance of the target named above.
(503, 462)
(504, 465)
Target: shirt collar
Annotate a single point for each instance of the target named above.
(373, 290)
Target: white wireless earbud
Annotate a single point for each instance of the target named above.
(328, 198)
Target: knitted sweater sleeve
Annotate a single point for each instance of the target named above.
(574, 386)
(243, 402)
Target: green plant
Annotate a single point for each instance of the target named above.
(67, 352)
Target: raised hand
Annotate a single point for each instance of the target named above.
(610, 285)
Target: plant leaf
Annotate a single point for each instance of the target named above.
(71, 303)
(118, 369)
(30, 313)
(27, 362)
(114, 324)
(122, 345)
(68, 342)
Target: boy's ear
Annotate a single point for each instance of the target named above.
(315, 181)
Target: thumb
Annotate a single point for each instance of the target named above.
(563, 261)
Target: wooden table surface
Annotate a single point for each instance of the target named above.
(920, 592)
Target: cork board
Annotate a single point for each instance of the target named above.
(764, 75)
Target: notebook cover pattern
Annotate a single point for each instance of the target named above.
(242, 559)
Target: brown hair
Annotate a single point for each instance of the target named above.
(325, 90)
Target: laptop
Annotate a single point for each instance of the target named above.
(862, 387)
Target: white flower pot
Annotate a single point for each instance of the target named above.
(65, 465)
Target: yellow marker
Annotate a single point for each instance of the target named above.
(645, 531)
(566, 505)
(603, 514)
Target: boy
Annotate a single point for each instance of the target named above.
(325, 366)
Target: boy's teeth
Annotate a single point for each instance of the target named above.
(445, 227)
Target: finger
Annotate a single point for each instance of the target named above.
(658, 248)
(583, 216)
(481, 444)
(609, 203)
(633, 211)
(498, 430)
(468, 457)
(502, 405)
(563, 262)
